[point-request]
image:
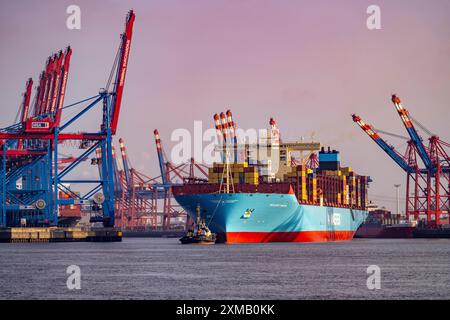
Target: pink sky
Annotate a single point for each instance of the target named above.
(309, 64)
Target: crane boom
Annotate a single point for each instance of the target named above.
(48, 85)
(232, 127)
(218, 128)
(62, 90)
(126, 168)
(162, 165)
(117, 184)
(225, 129)
(219, 134)
(122, 70)
(26, 100)
(404, 115)
(25, 108)
(383, 144)
(56, 83)
(43, 88)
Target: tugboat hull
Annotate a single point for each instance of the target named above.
(195, 241)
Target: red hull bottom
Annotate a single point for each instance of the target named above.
(303, 236)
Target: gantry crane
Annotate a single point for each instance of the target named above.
(38, 135)
(427, 187)
(184, 172)
(415, 138)
(140, 199)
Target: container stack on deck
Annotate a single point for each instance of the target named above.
(328, 185)
(241, 173)
(318, 179)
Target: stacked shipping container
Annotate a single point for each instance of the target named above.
(328, 185)
(241, 173)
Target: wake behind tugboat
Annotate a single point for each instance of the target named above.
(200, 234)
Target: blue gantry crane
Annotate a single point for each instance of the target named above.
(30, 180)
(390, 150)
(415, 138)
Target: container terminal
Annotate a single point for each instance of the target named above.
(34, 174)
(427, 169)
(40, 199)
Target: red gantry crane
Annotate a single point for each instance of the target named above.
(144, 203)
(50, 95)
(427, 187)
(121, 74)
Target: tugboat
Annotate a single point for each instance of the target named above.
(200, 234)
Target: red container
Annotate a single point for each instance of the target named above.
(280, 188)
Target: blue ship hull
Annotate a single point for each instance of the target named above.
(261, 217)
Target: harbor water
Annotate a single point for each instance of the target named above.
(161, 268)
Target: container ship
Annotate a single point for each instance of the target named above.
(381, 223)
(266, 193)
